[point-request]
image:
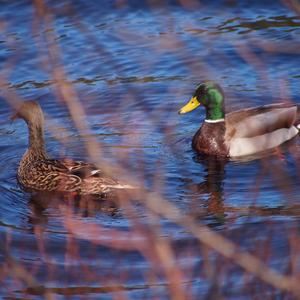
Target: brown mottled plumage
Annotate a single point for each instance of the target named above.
(243, 132)
(37, 171)
(209, 139)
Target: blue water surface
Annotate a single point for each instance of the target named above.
(132, 65)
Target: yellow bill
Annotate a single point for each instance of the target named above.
(191, 105)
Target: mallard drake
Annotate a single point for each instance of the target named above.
(38, 172)
(243, 132)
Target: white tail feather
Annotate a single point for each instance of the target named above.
(121, 186)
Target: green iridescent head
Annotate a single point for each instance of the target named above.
(211, 96)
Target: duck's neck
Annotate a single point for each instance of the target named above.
(214, 105)
(36, 140)
(215, 113)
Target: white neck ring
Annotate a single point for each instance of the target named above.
(214, 121)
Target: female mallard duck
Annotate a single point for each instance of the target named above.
(242, 132)
(38, 172)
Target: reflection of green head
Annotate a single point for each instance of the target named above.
(211, 96)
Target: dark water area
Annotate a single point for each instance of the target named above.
(133, 65)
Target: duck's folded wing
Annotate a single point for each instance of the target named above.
(259, 121)
(94, 180)
(55, 181)
(81, 169)
(90, 173)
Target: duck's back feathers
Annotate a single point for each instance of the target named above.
(257, 129)
(260, 120)
(93, 177)
(66, 176)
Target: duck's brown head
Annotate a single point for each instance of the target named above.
(30, 111)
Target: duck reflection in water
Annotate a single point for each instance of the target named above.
(275, 170)
(210, 188)
(42, 203)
